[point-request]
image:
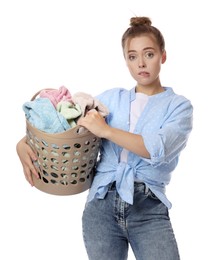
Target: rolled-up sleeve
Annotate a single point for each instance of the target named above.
(170, 139)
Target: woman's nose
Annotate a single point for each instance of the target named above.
(141, 63)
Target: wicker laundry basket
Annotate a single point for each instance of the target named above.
(66, 161)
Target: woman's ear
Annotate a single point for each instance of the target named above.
(163, 57)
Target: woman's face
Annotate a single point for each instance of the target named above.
(144, 58)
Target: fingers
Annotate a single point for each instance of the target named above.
(90, 114)
(27, 158)
(29, 170)
(28, 176)
(92, 111)
(31, 153)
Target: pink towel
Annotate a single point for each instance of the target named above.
(87, 102)
(56, 95)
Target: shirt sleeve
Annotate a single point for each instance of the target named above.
(170, 139)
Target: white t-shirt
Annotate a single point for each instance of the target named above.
(137, 107)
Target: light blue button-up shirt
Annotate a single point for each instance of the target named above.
(165, 125)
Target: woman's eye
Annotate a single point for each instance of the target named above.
(149, 55)
(131, 57)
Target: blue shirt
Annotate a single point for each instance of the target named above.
(165, 125)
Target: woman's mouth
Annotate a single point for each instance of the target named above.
(143, 74)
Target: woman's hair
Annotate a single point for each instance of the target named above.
(140, 26)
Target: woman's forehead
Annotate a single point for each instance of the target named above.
(141, 42)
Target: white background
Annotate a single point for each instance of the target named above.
(78, 44)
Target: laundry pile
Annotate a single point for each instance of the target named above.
(56, 110)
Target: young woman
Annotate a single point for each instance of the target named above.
(142, 138)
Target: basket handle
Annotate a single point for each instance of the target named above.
(38, 92)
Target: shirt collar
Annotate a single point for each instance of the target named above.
(132, 94)
(168, 91)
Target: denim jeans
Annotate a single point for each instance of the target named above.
(110, 225)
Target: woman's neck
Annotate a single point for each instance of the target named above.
(149, 90)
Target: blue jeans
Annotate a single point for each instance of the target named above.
(110, 225)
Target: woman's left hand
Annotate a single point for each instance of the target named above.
(94, 122)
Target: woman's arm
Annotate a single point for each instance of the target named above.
(27, 156)
(96, 124)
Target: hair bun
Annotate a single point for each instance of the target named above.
(137, 21)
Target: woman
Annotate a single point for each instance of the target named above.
(142, 138)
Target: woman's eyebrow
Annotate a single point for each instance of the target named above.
(144, 49)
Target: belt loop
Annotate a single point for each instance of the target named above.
(146, 191)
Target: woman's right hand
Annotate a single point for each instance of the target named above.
(27, 157)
